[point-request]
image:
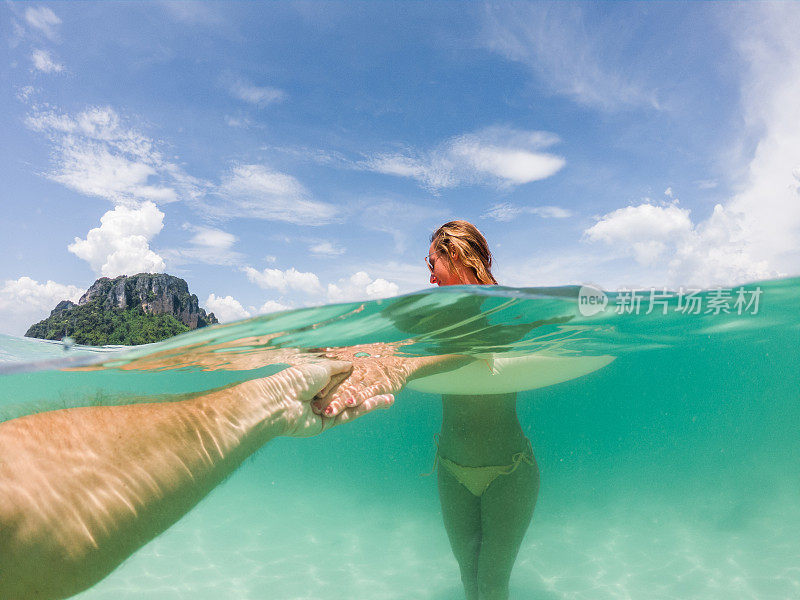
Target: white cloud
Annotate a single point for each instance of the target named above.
(43, 19)
(213, 239)
(226, 308)
(707, 184)
(754, 234)
(25, 92)
(767, 206)
(290, 279)
(121, 245)
(360, 286)
(643, 230)
(554, 42)
(254, 191)
(43, 61)
(260, 96)
(271, 306)
(718, 252)
(668, 192)
(496, 156)
(506, 211)
(25, 301)
(326, 249)
(409, 277)
(680, 252)
(208, 245)
(96, 155)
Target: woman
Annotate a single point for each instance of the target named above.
(488, 477)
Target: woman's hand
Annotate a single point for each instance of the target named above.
(377, 370)
(286, 397)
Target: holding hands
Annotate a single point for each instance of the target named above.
(289, 395)
(378, 370)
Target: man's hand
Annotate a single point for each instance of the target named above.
(377, 370)
(287, 397)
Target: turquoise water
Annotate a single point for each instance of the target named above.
(670, 473)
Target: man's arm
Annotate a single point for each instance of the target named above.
(81, 489)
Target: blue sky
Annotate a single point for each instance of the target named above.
(285, 154)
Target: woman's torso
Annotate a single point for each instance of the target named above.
(481, 430)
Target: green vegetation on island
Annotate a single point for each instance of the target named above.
(143, 308)
(92, 325)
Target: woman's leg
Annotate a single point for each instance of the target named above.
(462, 521)
(506, 512)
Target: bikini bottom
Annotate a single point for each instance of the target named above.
(478, 479)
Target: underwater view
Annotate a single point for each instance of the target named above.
(664, 426)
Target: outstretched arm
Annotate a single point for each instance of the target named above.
(81, 489)
(377, 369)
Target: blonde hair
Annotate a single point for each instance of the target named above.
(469, 245)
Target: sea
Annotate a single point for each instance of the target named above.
(673, 472)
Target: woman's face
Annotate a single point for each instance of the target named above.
(440, 274)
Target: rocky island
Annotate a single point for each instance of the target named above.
(127, 310)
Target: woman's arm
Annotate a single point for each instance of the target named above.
(81, 489)
(378, 369)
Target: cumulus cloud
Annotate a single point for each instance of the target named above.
(271, 306)
(767, 207)
(710, 253)
(25, 301)
(326, 249)
(254, 191)
(44, 20)
(754, 234)
(283, 281)
(360, 286)
(644, 230)
(121, 245)
(505, 211)
(95, 154)
(226, 308)
(495, 156)
(43, 61)
(553, 41)
(260, 96)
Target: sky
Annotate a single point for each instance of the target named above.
(279, 155)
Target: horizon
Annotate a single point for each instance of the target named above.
(284, 155)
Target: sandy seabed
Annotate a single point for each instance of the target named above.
(258, 540)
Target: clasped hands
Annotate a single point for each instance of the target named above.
(351, 381)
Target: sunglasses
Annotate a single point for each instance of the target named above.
(430, 262)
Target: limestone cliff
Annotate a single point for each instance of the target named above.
(156, 293)
(126, 310)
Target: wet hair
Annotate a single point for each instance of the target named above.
(469, 245)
